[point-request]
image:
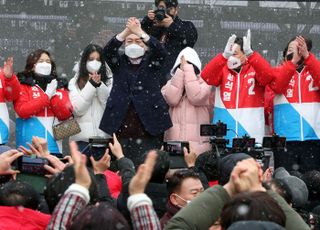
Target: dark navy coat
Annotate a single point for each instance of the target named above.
(141, 87)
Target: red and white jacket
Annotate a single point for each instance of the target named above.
(239, 100)
(297, 101)
(9, 91)
(36, 113)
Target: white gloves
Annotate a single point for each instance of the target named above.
(228, 50)
(247, 44)
(51, 88)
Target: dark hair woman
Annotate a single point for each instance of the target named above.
(89, 91)
(43, 97)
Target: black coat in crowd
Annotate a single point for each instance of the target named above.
(179, 35)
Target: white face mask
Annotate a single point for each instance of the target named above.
(93, 66)
(134, 51)
(43, 68)
(233, 62)
(187, 201)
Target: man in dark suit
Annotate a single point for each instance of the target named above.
(136, 110)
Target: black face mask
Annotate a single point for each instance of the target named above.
(289, 57)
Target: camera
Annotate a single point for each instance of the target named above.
(176, 154)
(243, 144)
(96, 148)
(160, 13)
(219, 129)
(175, 147)
(274, 142)
(32, 165)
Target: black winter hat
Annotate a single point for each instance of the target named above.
(298, 188)
(169, 3)
(227, 165)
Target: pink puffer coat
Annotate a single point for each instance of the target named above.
(189, 98)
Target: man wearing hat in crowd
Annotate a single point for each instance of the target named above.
(165, 25)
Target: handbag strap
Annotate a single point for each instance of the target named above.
(54, 117)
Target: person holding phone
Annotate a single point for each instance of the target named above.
(188, 96)
(89, 90)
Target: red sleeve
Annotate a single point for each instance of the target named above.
(12, 88)
(277, 77)
(282, 76)
(61, 105)
(262, 68)
(26, 106)
(314, 68)
(212, 72)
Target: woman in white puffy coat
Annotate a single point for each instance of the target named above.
(89, 91)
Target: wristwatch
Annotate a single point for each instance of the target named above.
(143, 36)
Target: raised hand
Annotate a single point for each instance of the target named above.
(100, 166)
(139, 182)
(81, 172)
(134, 26)
(302, 47)
(183, 63)
(8, 68)
(247, 44)
(116, 148)
(6, 160)
(189, 157)
(228, 52)
(51, 88)
(151, 15)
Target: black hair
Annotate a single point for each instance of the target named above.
(83, 75)
(57, 185)
(252, 206)
(208, 163)
(18, 193)
(161, 167)
(32, 59)
(239, 41)
(174, 182)
(100, 216)
(308, 43)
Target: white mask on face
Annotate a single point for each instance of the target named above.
(43, 68)
(93, 66)
(233, 62)
(134, 51)
(187, 201)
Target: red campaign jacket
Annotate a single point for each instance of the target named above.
(9, 91)
(9, 88)
(239, 98)
(22, 218)
(297, 101)
(36, 114)
(33, 101)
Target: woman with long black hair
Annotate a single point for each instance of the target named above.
(89, 91)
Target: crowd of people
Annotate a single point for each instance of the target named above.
(157, 91)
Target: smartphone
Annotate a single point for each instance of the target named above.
(176, 147)
(32, 165)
